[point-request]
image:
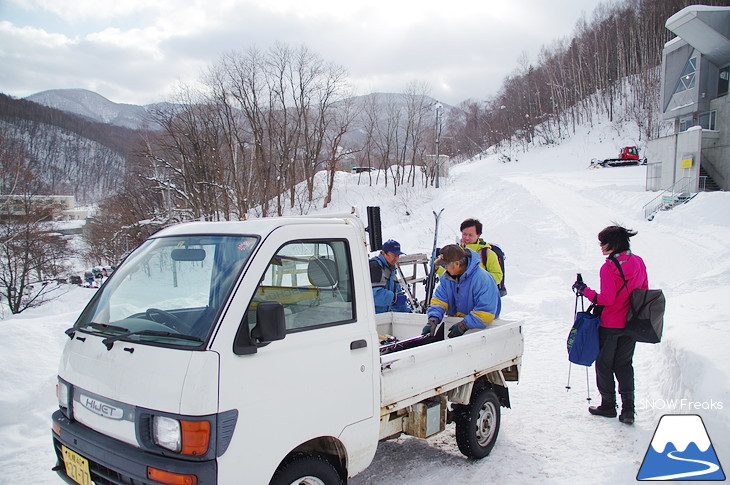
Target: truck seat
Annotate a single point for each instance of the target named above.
(322, 273)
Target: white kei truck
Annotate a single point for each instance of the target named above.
(250, 353)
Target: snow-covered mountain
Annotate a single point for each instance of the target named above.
(96, 107)
(69, 154)
(93, 106)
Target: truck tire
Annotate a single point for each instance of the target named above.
(307, 469)
(477, 424)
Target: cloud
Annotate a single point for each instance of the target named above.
(14, 37)
(138, 50)
(75, 11)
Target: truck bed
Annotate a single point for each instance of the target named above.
(409, 376)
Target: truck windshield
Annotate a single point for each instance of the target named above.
(169, 291)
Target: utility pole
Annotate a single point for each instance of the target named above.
(439, 107)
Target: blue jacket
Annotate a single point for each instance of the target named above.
(472, 295)
(387, 289)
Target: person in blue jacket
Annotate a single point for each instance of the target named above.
(387, 293)
(465, 290)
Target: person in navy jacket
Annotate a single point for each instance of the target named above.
(387, 293)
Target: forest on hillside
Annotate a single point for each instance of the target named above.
(609, 65)
(66, 154)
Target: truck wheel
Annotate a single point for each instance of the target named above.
(307, 469)
(477, 424)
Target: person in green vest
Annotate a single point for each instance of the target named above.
(471, 237)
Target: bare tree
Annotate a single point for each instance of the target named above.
(184, 157)
(31, 253)
(342, 116)
(31, 256)
(125, 220)
(244, 83)
(419, 120)
(319, 86)
(369, 119)
(384, 115)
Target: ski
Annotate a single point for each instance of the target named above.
(431, 281)
(410, 298)
(406, 344)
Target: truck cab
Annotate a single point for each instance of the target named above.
(629, 153)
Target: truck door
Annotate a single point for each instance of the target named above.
(317, 380)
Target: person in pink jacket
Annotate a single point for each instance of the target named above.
(616, 354)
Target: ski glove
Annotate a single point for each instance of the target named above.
(458, 329)
(431, 327)
(579, 287)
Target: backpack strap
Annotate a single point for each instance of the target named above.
(613, 257)
(484, 251)
(376, 272)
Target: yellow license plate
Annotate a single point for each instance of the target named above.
(77, 467)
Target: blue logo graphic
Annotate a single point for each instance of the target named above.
(681, 450)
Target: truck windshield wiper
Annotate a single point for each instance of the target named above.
(96, 326)
(109, 341)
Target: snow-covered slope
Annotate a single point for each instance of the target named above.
(93, 106)
(545, 210)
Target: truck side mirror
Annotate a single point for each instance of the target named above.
(270, 323)
(270, 326)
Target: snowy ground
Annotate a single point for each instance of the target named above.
(545, 210)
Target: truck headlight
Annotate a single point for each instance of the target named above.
(63, 392)
(181, 435)
(166, 433)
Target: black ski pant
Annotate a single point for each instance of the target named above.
(615, 357)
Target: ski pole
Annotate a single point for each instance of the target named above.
(410, 298)
(431, 281)
(567, 386)
(575, 311)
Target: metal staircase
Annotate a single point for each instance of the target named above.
(710, 184)
(679, 193)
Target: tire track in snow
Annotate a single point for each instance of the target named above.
(583, 212)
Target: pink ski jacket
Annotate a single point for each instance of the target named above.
(614, 296)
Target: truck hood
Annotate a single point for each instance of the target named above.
(140, 375)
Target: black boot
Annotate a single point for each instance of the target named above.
(607, 407)
(627, 408)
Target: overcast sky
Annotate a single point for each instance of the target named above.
(136, 51)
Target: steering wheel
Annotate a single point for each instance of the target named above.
(165, 318)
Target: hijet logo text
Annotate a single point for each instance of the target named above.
(681, 450)
(100, 408)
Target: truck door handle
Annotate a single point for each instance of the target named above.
(358, 344)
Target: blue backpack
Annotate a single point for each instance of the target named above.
(583, 337)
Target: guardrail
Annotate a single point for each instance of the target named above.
(679, 193)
